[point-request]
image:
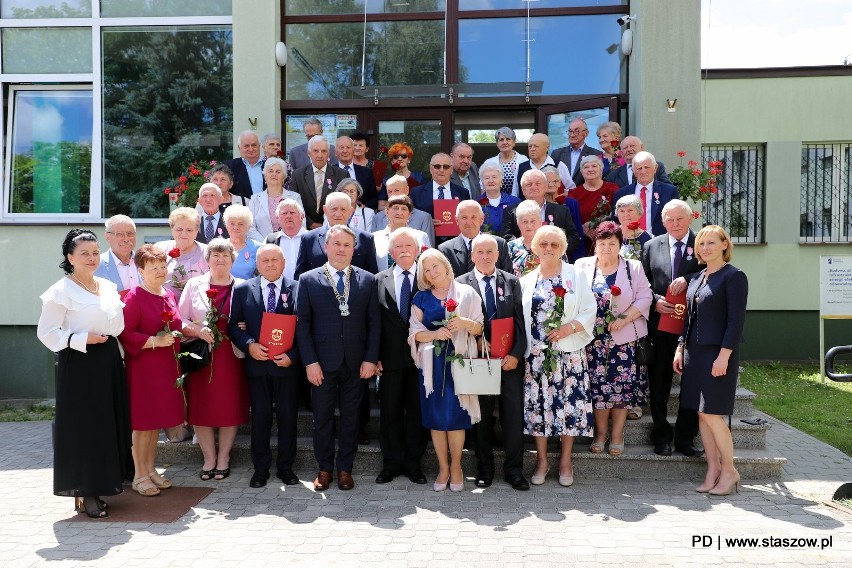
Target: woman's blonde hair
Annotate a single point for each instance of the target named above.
(422, 283)
(549, 231)
(184, 213)
(723, 236)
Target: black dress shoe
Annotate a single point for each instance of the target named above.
(483, 480)
(689, 451)
(287, 476)
(385, 476)
(258, 480)
(518, 483)
(363, 439)
(417, 477)
(663, 449)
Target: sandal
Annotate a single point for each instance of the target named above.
(634, 413)
(220, 474)
(616, 449)
(149, 491)
(207, 474)
(160, 481)
(90, 506)
(597, 447)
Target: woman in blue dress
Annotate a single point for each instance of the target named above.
(444, 316)
(238, 220)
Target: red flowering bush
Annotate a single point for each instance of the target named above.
(694, 182)
(185, 191)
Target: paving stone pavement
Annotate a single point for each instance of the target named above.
(595, 523)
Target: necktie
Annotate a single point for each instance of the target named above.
(208, 228)
(468, 257)
(405, 296)
(643, 195)
(490, 304)
(270, 301)
(318, 175)
(441, 192)
(678, 256)
(349, 171)
(340, 287)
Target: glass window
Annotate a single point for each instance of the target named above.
(45, 8)
(325, 59)
(317, 7)
(47, 50)
(163, 8)
(167, 101)
(333, 126)
(557, 126)
(825, 193)
(493, 50)
(424, 137)
(51, 151)
(522, 4)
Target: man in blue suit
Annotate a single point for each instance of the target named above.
(339, 331)
(364, 176)
(652, 193)
(441, 168)
(117, 263)
(338, 208)
(273, 383)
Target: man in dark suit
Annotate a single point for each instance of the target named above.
(423, 196)
(248, 168)
(469, 217)
(212, 220)
(571, 155)
(534, 186)
(339, 331)
(338, 208)
(316, 180)
(299, 157)
(465, 172)
(653, 194)
(623, 175)
(402, 436)
(364, 176)
(670, 263)
(501, 298)
(273, 383)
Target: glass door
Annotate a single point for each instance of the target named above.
(553, 120)
(426, 132)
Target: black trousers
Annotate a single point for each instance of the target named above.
(511, 401)
(345, 388)
(268, 394)
(402, 437)
(660, 383)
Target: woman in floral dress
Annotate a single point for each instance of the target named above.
(619, 384)
(528, 215)
(560, 307)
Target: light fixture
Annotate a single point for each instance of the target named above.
(627, 41)
(281, 54)
(670, 105)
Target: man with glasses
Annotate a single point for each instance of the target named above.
(571, 155)
(424, 196)
(117, 263)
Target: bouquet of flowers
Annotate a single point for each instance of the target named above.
(601, 213)
(184, 193)
(442, 346)
(551, 354)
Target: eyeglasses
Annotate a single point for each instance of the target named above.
(399, 157)
(123, 235)
(441, 166)
(576, 130)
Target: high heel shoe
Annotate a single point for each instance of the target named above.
(457, 487)
(616, 449)
(704, 488)
(539, 479)
(438, 486)
(90, 506)
(597, 447)
(733, 487)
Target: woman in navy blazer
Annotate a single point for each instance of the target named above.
(708, 354)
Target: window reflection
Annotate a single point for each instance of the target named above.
(131, 8)
(47, 50)
(317, 7)
(46, 9)
(522, 4)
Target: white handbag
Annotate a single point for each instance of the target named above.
(477, 375)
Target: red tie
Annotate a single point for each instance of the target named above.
(643, 195)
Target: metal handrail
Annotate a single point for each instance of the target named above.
(829, 363)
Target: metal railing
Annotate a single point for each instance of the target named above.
(832, 354)
(826, 191)
(739, 204)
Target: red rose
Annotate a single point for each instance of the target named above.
(395, 166)
(614, 144)
(615, 290)
(211, 293)
(167, 190)
(424, 248)
(451, 305)
(167, 316)
(194, 171)
(559, 291)
(681, 154)
(483, 201)
(280, 154)
(696, 214)
(633, 225)
(174, 253)
(383, 149)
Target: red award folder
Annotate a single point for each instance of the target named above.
(673, 323)
(502, 337)
(276, 333)
(445, 213)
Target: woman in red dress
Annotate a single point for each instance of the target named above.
(594, 196)
(151, 320)
(217, 394)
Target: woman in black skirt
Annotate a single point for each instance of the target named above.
(80, 318)
(708, 354)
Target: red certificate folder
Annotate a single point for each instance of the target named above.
(673, 323)
(445, 213)
(502, 336)
(276, 333)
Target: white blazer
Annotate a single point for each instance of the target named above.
(261, 226)
(580, 306)
(193, 302)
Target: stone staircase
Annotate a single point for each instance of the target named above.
(638, 462)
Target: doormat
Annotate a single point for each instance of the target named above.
(167, 507)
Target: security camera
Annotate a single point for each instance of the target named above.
(626, 20)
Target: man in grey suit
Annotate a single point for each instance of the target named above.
(465, 172)
(469, 218)
(623, 175)
(338, 331)
(316, 180)
(420, 220)
(571, 155)
(117, 263)
(299, 156)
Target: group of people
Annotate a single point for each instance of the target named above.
(376, 294)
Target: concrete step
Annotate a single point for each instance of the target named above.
(743, 403)
(638, 461)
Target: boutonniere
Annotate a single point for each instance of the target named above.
(550, 219)
(219, 230)
(247, 255)
(504, 206)
(656, 198)
(570, 286)
(328, 182)
(500, 294)
(688, 253)
(284, 300)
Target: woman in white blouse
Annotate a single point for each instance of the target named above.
(362, 217)
(399, 212)
(263, 204)
(80, 318)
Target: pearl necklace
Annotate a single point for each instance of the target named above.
(160, 293)
(78, 281)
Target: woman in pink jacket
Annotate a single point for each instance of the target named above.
(618, 382)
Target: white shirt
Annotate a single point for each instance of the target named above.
(672, 249)
(290, 246)
(447, 193)
(480, 277)
(398, 278)
(264, 285)
(350, 169)
(128, 273)
(646, 205)
(69, 313)
(564, 175)
(629, 174)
